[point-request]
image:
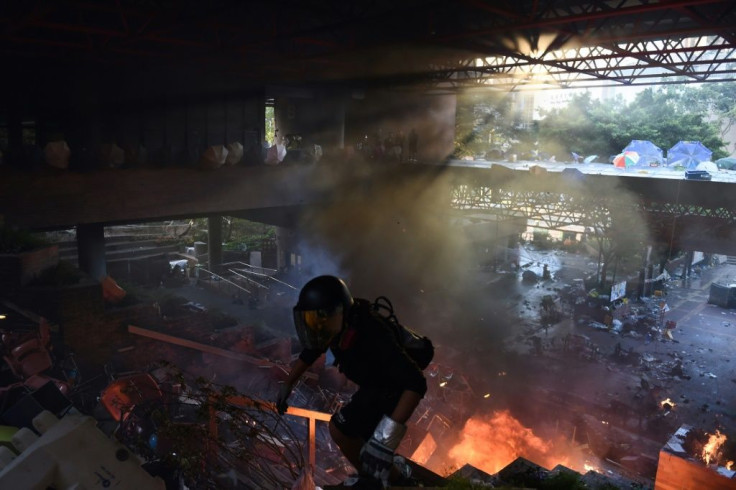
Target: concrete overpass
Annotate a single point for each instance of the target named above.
(689, 215)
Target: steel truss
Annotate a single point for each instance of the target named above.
(691, 60)
(444, 44)
(556, 211)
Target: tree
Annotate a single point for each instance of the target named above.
(483, 123)
(619, 232)
(662, 115)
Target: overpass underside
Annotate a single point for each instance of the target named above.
(679, 214)
(687, 215)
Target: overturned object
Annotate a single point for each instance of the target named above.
(111, 291)
(70, 454)
(722, 295)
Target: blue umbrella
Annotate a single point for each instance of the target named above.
(650, 155)
(688, 154)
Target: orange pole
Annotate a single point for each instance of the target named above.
(311, 415)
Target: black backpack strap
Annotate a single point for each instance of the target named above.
(382, 305)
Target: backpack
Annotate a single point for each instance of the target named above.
(418, 347)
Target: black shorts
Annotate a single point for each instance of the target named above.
(365, 409)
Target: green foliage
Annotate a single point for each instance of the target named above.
(542, 240)
(237, 234)
(457, 482)
(64, 274)
(270, 125)
(562, 481)
(663, 115)
(15, 241)
(483, 122)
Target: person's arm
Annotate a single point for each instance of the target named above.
(296, 372)
(406, 406)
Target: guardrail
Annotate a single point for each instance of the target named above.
(312, 417)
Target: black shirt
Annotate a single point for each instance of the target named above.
(368, 353)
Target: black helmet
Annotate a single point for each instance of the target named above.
(320, 299)
(324, 293)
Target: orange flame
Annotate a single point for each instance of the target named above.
(667, 402)
(490, 444)
(710, 450)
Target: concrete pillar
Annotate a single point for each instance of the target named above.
(340, 116)
(214, 239)
(285, 246)
(687, 267)
(14, 151)
(91, 249)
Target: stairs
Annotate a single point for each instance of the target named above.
(731, 259)
(120, 248)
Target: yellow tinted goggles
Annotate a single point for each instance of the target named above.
(315, 319)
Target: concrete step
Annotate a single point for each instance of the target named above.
(125, 253)
(140, 251)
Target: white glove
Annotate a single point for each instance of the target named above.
(377, 455)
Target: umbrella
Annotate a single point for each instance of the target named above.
(688, 154)
(213, 157)
(57, 154)
(626, 159)
(234, 153)
(728, 163)
(707, 166)
(649, 153)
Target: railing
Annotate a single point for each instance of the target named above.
(312, 417)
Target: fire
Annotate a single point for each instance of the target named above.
(490, 444)
(666, 402)
(710, 450)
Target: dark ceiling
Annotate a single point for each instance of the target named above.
(438, 44)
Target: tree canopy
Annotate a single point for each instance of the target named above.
(489, 124)
(663, 116)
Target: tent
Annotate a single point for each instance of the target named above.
(728, 163)
(688, 154)
(650, 155)
(707, 166)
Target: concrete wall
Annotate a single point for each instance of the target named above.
(676, 473)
